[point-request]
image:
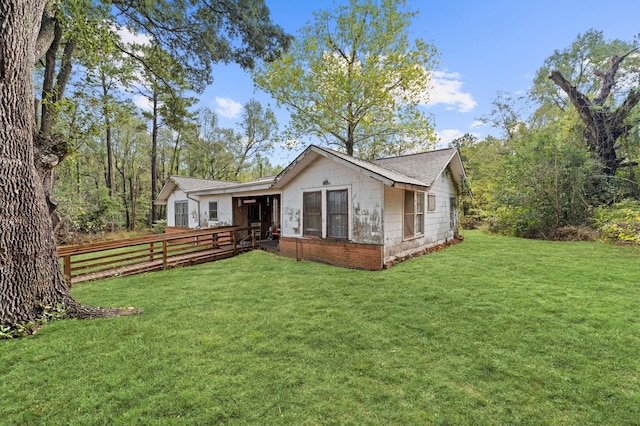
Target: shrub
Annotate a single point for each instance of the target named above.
(620, 222)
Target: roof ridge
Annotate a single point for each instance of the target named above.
(415, 153)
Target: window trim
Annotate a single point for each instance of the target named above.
(345, 214)
(184, 213)
(416, 216)
(213, 210)
(408, 217)
(305, 214)
(453, 213)
(419, 230)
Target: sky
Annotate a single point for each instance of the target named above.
(485, 47)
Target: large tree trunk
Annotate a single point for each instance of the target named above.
(30, 277)
(50, 149)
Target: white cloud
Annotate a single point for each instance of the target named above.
(142, 102)
(477, 124)
(447, 135)
(227, 107)
(127, 36)
(447, 90)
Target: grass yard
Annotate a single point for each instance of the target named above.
(494, 330)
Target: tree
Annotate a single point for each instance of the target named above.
(257, 128)
(208, 155)
(163, 82)
(355, 80)
(601, 102)
(544, 183)
(31, 282)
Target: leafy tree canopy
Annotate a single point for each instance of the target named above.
(354, 78)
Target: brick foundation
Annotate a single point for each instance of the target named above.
(339, 253)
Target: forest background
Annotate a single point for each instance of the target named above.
(537, 176)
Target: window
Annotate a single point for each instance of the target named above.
(337, 214)
(453, 213)
(312, 214)
(182, 214)
(413, 213)
(431, 200)
(213, 210)
(409, 214)
(419, 213)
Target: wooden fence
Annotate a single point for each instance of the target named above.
(86, 262)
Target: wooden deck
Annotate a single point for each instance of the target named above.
(153, 253)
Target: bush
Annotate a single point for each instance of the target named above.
(159, 226)
(619, 223)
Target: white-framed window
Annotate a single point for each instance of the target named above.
(312, 214)
(337, 214)
(419, 213)
(213, 210)
(409, 214)
(182, 213)
(413, 214)
(453, 213)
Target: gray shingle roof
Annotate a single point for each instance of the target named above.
(190, 184)
(425, 166)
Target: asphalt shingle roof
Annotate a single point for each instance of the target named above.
(425, 167)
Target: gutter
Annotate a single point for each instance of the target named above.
(198, 210)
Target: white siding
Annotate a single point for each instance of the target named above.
(178, 195)
(436, 223)
(364, 194)
(225, 210)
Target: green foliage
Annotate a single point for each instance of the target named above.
(159, 226)
(578, 63)
(48, 313)
(91, 212)
(620, 222)
(546, 182)
(354, 79)
(523, 332)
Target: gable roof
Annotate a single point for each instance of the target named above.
(427, 166)
(407, 171)
(188, 184)
(413, 171)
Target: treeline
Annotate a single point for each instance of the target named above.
(106, 181)
(567, 163)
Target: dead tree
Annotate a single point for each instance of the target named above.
(604, 124)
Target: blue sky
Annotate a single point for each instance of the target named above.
(485, 47)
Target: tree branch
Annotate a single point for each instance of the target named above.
(608, 78)
(46, 33)
(579, 100)
(625, 108)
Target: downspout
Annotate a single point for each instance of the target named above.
(198, 210)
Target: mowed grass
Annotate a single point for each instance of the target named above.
(493, 330)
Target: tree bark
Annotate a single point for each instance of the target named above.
(31, 280)
(154, 158)
(107, 122)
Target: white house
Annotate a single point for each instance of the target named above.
(334, 208)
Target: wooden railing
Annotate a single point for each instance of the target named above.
(86, 262)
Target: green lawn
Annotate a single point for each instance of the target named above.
(494, 330)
